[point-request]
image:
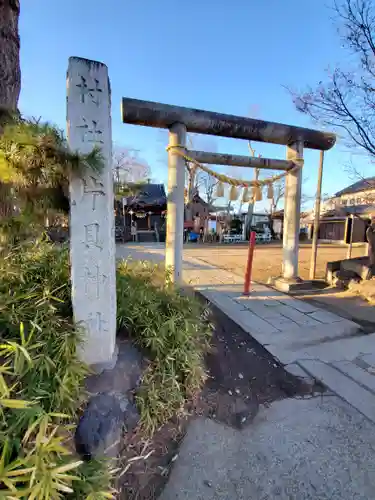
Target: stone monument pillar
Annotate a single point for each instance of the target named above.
(92, 239)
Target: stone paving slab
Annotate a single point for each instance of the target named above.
(297, 370)
(301, 306)
(257, 318)
(368, 358)
(279, 310)
(342, 350)
(337, 330)
(244, 318)
(365, 378)
(298, 317)
(342, 385)
(282, 323)
(258, 307)
(249, 321)
(291, 349)
(325, 316)
(226, 304)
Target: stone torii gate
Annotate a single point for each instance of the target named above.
(92, 230)
(180, 120)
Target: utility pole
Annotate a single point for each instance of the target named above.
(318, 199)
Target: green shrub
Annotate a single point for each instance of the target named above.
(41, 380)
(41, 376)
(174, 333)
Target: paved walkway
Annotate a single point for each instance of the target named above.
(308, 340)
(319, 448)
(316, 449)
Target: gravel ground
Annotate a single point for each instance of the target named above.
(268, 258)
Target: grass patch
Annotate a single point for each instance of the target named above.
(173, 330)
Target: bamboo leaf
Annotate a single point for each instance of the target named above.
(67, 467)
(18, 404)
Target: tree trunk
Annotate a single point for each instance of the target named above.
(190, 190)
(10, 78)
(10, 73)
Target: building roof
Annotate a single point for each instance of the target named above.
(148, 194)
(278, 214)
(362, 185)
(341, 213)
(200, 201)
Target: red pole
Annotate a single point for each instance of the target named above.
(249, 266)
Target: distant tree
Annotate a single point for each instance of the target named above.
(206, 185)
(278, 194)
(129, 171)
(346, 100)
(196, 178)
(128, 167)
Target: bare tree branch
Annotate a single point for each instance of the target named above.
(208, 184)
(346, 100)
(128, 167)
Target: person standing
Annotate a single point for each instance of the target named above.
(133, 231)
(370, 237)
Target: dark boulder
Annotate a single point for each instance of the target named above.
(100, 428)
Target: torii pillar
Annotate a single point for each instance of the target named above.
(289, 280)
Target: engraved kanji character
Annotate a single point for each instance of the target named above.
(96, 321)
(92, 235)
(91, 131)
(94, 187)
(92, 93)
(93, 281)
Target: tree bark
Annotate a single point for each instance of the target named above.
(10, 79)
(10, 73)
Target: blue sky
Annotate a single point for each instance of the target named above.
(226, 56)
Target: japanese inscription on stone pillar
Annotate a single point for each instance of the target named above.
(92, 243)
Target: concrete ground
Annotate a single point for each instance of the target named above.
(318, 448)
(295, 449)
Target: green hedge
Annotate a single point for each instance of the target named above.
(41, 376)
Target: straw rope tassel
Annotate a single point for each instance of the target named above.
(233, 193)
(245, 195)
(258, 193)
(219, 191)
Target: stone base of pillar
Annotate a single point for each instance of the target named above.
(290, 285)
(108, 365)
